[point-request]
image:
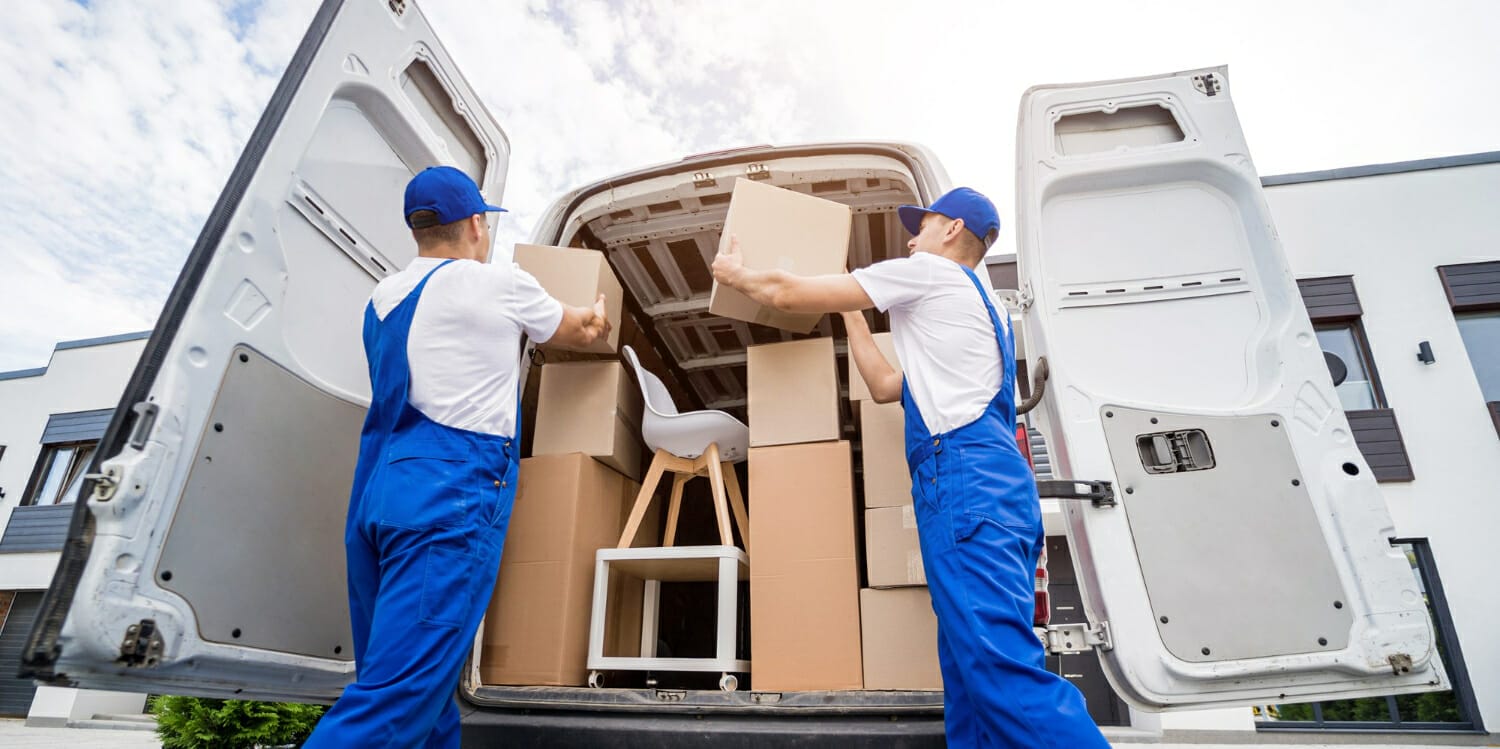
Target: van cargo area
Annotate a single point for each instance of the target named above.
(660, 230)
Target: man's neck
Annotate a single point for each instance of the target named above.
(957, 256)
(445, 252)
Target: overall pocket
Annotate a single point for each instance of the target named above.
(445, 586)
(424, 485)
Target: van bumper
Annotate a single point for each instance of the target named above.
(489, 728)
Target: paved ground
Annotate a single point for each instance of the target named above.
(14, 733)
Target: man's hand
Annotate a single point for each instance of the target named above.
(729, 265)
(600, 322)
(581, 326)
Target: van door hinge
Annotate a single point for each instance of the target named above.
(1063, 639)
(1400, 663)
(1208, 84)
(757, 171)
(1023, 296)
(1101, 493)
(703, 179)
(142, 645)
(105, 484)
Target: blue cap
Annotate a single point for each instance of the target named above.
(447, 192)
(978, 213)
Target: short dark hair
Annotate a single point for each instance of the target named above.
(972, 244)
(427, 231)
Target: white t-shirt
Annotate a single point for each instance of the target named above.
(942, 333)
(465, 340)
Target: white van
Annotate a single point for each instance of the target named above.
(1233, 550)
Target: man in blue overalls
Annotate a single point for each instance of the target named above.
(437, 465)
(978, 517)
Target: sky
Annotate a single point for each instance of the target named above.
(123, 118)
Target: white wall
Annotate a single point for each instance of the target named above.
(58, 706)
(1390, 232)
(79, 379)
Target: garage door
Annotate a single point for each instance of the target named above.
(16, 694)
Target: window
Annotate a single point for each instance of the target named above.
(1474, 293)
(1451, 710)
(59, 473)
(1346, 342)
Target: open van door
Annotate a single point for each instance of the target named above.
(206, 552)
(1241, 552)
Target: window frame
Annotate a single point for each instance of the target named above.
(1362, 346)
(1461, 302)
(44, 459)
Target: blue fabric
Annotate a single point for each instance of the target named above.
(979, 523)
(427, 517)
(447, 192)
(978, 213)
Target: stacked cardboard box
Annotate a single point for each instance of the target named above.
(900, 629)
(574, 496)
(804, 578)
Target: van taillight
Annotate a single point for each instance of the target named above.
(1023, 441)
(1043, 613)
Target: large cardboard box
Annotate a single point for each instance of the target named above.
(882, 435)
(577, 277)
(900, 637)
(536, 630)
(778, 228)
(893, 551)
(793, 393)
(590, 407)
(804, 581)
(858, 391)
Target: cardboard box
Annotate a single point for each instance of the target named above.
(804, 581)
(793, 392)
(882, 430)
(858, 391)
(783, 229)
(590, 407)
(536, 629)
(900, 637)
(576, 276)
(893, 551)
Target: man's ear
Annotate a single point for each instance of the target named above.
(954, 229)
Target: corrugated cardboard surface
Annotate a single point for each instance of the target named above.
(882, 434)
(858, 391)
(900, 637)
(576, 277)
(893, 552)
(537, 627)
(804, 604)
(783, 229)
(793, 393)
(590, 407)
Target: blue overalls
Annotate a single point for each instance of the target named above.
(981, 533)
(427, 518)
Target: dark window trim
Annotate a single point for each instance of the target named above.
(1453, 661)
(1494, 407)
(42, 460)
(1460, 269)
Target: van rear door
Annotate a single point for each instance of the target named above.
(1246, 557)
(206, 556)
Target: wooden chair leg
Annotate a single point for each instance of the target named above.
(721, 504)
(675, 507)
(737, 502)
(643, 499)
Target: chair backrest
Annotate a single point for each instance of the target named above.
(658, 400)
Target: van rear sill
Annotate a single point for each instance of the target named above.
(710, 701)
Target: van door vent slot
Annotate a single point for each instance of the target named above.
(619, 216)
(715, 199)
(1175, 452)
(830, 187)
(642, 252)
(670, 206)
(690, 263)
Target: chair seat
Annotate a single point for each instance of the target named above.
(688, 435)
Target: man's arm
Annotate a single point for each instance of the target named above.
(581, 326)
(880, 377)
(787, 292)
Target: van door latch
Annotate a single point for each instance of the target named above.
(1064, 639)
(142, 645)
(1101, 493)
(1207, 84)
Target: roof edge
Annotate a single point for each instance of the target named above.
(1372, 170)
(79, 343)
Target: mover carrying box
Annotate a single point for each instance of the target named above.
(793, 392)
(882, 435)
(893, 552)
(536, 630)
(900, 636)
(576, 277)
(804, 581)
(784, 229)
(590, 407)
(858, 391)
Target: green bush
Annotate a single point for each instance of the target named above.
(198, 723)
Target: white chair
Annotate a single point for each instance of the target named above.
(693, 444)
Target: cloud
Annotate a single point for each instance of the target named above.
(124, 118)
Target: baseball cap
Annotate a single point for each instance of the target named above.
(978, 213)
(447, 192)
